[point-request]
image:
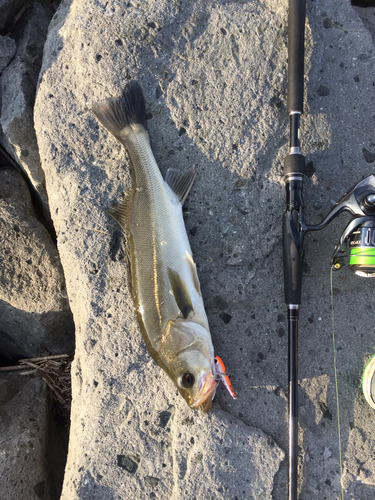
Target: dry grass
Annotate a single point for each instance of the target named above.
(54, 369)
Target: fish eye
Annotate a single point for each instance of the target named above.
(187, 380)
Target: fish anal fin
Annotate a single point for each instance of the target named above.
(180, 292)
(121, 211)
(180, 182)
(193, 271)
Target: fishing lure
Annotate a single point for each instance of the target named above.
(220, 374)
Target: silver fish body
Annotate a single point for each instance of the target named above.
(162, 274)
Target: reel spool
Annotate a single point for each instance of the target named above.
(359, 251)
(362, 250)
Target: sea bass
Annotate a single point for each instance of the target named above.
(162, 275)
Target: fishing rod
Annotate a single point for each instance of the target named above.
(294, 166)
(357, 242)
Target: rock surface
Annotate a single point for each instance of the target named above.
(214, 78)
(8, 48)
(23, 432)
(34, 309)
(367, 14)
(18, 85)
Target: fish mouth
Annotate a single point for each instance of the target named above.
(207, 386)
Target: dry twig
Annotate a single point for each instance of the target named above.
(54, 369)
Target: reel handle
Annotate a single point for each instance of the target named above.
(360, 202)
(357, 241)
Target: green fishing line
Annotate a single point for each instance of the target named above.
(336, 385)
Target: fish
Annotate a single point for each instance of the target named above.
(162, 275)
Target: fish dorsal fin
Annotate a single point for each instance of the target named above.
(180, 292)
(180, 182)
(121, 211)
(193, 271)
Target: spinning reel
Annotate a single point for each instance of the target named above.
(357, 243)
(355, 247)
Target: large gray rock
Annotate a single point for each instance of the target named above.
(166, 451)
(8, 48)
(34, 310)
(24, 417)
(114, 381)
(17, 86)
(214, 79)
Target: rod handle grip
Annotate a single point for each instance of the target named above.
(294, 164)
(296, 54)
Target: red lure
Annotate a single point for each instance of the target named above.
(220, 374)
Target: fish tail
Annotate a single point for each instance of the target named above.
(124, 114)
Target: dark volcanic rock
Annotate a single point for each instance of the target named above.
(18, 86)
(34, 310)
(24, 419)
(8, 48)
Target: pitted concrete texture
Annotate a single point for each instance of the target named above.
(214, 75)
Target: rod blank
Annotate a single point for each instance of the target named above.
(293, 402)
(294, 166)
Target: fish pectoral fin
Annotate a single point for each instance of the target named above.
(121, 211)
(180, 182)
(180, 292)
